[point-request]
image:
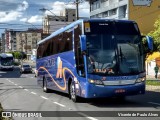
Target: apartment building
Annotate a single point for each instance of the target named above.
(2, 43)
(114, 9)
(10, 40)
(144, 12)
(27, 41)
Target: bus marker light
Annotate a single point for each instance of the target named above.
(83, 92)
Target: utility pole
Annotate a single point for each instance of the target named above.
(77, 12)
(76, 2)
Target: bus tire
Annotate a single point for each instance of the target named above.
(45, 89)
(72, 92)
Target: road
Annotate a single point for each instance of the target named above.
(21, 93)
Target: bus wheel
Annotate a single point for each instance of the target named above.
(45, 89)
(73, 95)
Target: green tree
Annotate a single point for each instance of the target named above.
(155, 34)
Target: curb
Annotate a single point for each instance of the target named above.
(153, 88)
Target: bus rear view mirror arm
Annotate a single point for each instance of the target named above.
(83, 42)
(150, 42)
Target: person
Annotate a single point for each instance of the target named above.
(156, 68)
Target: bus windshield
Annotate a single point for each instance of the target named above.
(8, 61)
(114, 49)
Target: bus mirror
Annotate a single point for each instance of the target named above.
(150, 42)
(83, 42)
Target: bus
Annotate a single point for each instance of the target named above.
(6, 61)
(94, 58)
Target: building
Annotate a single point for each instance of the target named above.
(144, 12)
(10, 40)
(53, 23)
(2, 43)
(27, 41)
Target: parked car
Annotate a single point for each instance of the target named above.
(26, 68)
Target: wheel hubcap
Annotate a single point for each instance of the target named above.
(44, 87)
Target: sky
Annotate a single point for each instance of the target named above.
(22, 14)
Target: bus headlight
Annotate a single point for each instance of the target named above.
(97, 82)
(140, 79)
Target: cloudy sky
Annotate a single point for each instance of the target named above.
(20, 14)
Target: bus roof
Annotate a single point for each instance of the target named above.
(80, 21)
(61, 30)
(4, 55)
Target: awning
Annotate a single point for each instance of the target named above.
(154, 56)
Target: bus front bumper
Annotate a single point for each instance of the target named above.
(100, 91)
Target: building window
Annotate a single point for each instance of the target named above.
(122, 12)
(105, 14)
(113, 12)
(95, 5)
(103, 1)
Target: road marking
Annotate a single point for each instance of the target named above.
(26, 89)
(34, 93)
(20, 86)
(15, 84)
(59, 104)
(154, 103)
(91, 118)
(44, 97)
(32, 77)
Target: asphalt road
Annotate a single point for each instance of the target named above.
(21, 93)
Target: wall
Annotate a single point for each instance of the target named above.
(145, 16)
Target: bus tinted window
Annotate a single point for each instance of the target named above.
(58, 44)
(126, 28)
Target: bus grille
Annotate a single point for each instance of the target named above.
(119, 82)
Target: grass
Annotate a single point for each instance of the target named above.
(2, 118)
(153, 82)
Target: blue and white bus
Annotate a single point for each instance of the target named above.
(93, 58)
(6, 61)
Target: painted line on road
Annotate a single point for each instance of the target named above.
(15, 84)
(20, 86)
(12, 82)
(44, 97)
(154, 103)
(59, 104)
(34, 93)
(26, 89)
(32, 77)
(84, 115)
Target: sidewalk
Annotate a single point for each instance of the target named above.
(152, 87)
(152, 77)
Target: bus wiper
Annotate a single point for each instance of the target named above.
(121, 54)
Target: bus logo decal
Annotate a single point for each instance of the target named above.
(59, 68)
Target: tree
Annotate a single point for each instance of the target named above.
(155, 34)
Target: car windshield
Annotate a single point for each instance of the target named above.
(7, 61)
(26, 65)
